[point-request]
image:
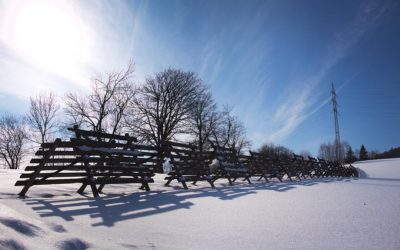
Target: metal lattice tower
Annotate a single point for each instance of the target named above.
(335, 114)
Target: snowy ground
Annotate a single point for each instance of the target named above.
(327, 213)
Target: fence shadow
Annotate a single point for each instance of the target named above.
(113, 208)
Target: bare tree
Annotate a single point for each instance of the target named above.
(328, 151)
(272, 150)
(42, 117)
(106, 106)
(203, 118)
(163, 105)
(13, 136)
(230, 132)
(373, 154)
(306, 154)
(357, 154)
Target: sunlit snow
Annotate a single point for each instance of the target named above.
(324, 213)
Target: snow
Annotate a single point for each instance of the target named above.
(167, 166)
(324, 213)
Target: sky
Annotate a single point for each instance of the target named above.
(273, 61)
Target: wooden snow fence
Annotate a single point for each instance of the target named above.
(340, 170)
(351, 171)
(188, 163)
(229, 165)
(97, 159)
(91, 159)
(317, 170)
(264, 167)
(290, 167)
(303, 166)
(325, 167)
(336, 168)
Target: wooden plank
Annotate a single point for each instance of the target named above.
(180, 144)
(92, 159)
(101, 168)
(80, 174)
(102, 135)
(83, 142)
(145, 147)
(53, 181)
(80, 142)
(72, 174)
(178, 151)
(57, 153)
(116, 148)
(123, 180)
(58, 160)
(61, 144)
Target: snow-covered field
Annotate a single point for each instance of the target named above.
(326, 213)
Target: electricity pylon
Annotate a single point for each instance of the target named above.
(337, 133)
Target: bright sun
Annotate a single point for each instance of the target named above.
(48, 35)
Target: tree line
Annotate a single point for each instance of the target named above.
(348, 155)
(170, 105)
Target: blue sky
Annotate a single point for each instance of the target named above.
(274, 61)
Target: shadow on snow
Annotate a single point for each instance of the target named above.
(113, 208)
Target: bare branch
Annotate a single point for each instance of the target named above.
(163, 104)
(13, 136)
(105, 107)
(42, 117)
(229, 132)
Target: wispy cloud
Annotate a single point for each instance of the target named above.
(76, 41)
(301, 99)
(211, 60)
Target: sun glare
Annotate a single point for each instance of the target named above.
(48, 35)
